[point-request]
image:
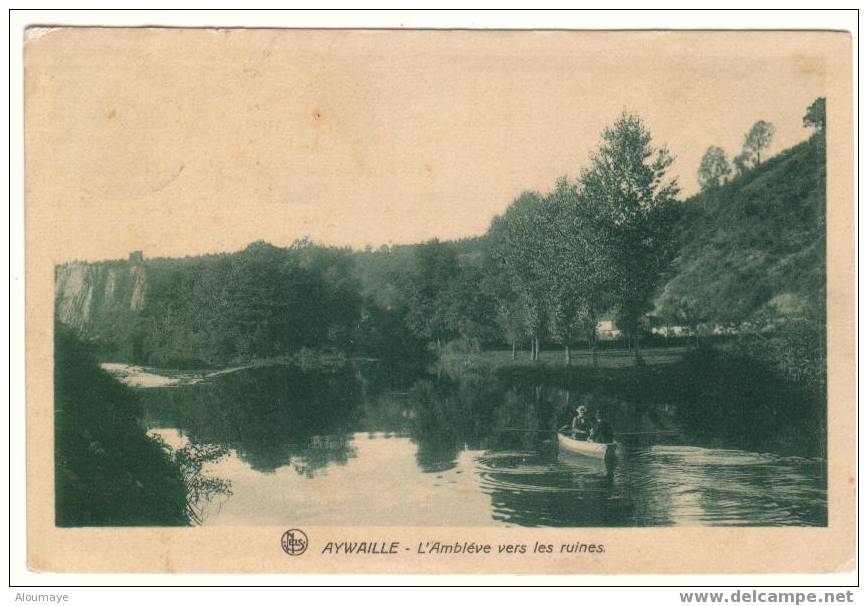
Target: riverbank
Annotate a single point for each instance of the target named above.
(188, 372)
(581, 358)
(726, 395)
(108, 472)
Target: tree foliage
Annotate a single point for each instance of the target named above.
(263, 301)
(714, 168)
(741, 164)
(628, 188)
(815, 116)
(580, 282)
(108, 472)
(758, 139)
(561, 260)
(427, 291)
(517, 244)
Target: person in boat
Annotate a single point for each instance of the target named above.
(602, 432)
(581, 426)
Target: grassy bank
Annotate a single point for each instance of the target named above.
(615, 358)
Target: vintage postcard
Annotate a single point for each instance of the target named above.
(418, 301)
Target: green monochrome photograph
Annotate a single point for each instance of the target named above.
(302, 279)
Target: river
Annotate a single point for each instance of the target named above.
(346, 447)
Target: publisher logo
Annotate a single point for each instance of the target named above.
(294, 542)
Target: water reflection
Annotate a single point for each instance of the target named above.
(698, 486)
(270, 417)
(346, 446)
(529, 490)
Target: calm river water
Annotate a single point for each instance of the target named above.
(344, 447)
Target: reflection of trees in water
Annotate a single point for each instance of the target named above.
(267, 415)
(531, 487)
(476, 410)
(321, 452)
(282, 416)
(437, 425)
(387, 412)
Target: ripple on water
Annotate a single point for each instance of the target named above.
(728, 487)
(660, 485)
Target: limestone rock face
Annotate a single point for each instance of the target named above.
(88, 297)
(137, 298)
(74, 286)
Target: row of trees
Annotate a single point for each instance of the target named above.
(590, 246)
(715, 169)
(554, 264)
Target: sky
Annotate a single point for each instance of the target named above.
(182, 142)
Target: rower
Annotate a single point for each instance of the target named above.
(602, 431)
(581, 427)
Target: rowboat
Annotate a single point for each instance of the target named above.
(586, 449)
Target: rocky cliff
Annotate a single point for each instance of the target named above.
(92, 298)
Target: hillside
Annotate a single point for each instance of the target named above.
(754, 247)
(749, 251)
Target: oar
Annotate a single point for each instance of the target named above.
(646, 433)
(617, 433)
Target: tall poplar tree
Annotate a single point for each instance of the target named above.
(629, 191)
